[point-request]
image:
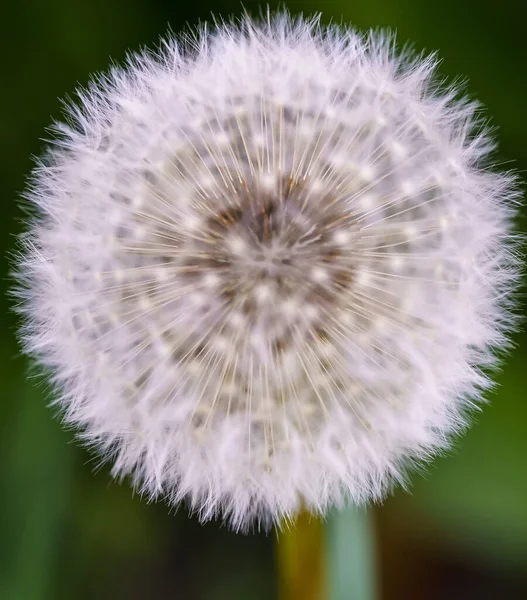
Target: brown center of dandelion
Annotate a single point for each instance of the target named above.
(274, 253)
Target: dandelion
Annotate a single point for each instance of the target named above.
(269, 267)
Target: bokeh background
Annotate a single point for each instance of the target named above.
(69, 532)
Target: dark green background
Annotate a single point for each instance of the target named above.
(68, 532)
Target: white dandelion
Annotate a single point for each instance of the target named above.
(269, 267)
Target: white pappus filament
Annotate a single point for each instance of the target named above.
(268, 266)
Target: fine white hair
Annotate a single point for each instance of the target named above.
(269, 267)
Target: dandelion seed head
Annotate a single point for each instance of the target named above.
(268, 267)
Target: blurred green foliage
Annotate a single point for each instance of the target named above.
(69, 532)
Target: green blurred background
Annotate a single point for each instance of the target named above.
(68, 531)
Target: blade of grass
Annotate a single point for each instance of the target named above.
(37, 481)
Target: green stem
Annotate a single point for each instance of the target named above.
(350, 555)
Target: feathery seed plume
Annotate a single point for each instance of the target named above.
(268, 266)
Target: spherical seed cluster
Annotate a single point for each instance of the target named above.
(268, 268)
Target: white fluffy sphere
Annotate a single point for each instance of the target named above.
(268, 267)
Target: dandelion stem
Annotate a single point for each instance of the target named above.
(300, 559)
